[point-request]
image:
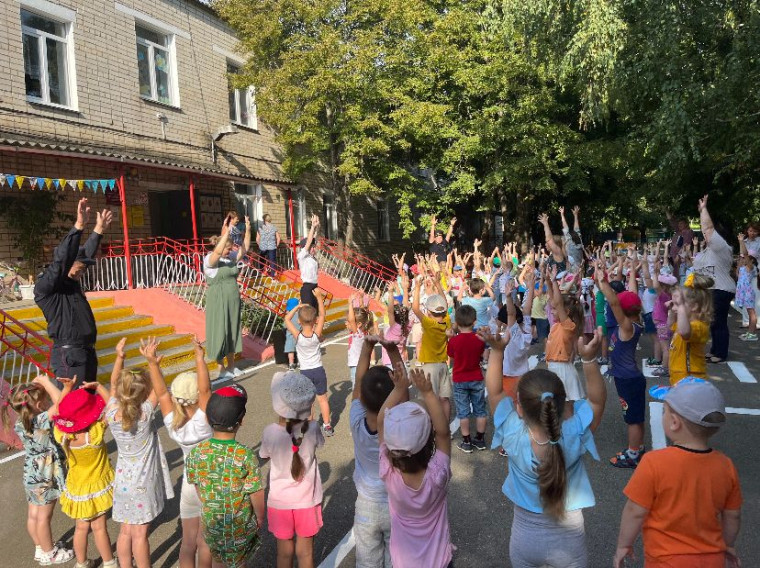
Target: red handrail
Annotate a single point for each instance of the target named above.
(356, 259)
(21, 342)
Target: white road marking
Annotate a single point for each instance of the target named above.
(655, 425)
(532, 362)
(746, 411)
(339, 553)
(11, 457)
(741, 372)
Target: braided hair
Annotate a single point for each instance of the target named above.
(297, 466)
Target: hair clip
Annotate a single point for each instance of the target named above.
(545, 395)
(23, 403)
(294, 448)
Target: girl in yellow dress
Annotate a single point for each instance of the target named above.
(88, 496)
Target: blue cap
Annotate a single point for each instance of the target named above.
(292, 303)
(399, 299)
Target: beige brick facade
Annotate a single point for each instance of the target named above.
(121, 130)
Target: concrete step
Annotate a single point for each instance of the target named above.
(103, 314)
(175, 360)
(31, 311)
(107, 327)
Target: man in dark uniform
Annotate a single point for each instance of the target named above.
(70, 322)
(439, 246)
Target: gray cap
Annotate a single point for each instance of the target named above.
(695, 400)
(292, 395)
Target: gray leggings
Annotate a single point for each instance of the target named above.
(539, 541)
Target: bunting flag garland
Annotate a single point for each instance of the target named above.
(13, 181)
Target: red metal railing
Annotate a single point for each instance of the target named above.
(23, 351)
(356, 270)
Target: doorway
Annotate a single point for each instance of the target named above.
(170, 214)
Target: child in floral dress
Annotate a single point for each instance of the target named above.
(227, 477)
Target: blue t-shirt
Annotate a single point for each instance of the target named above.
(609, 317)
(521, 485)
(623, 354)
(482, 309)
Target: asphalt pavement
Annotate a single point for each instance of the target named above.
(480, 515)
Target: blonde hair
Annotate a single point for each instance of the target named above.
(307, 315)
(132, 389)
(699, 296)
(180, 405)
(364, 319)
(24, 400)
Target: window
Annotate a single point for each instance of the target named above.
(383, 221)
(330, 217)
(155, 66)
(249, 202)
(299, 208)
(242, 103)
(48, 59)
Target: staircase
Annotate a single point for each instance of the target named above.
(113, 323)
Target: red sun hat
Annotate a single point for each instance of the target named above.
(78, 410)
(629, 300)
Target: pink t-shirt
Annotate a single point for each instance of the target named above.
(284, 491)
(393, 333)
(660, 312)
(419, 518)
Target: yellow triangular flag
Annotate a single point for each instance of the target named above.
(48, 182)
(63, 183)
(80, 184)
(20, 180)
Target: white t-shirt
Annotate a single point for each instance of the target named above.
(285, 492)
(648, 300)
(355, 344)
(191, 433)
(308, 265)
(716, 261)
(367, 454)
(516, 351)
(309, 351)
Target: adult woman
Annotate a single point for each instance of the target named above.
(308, 265)
(715, 262)
(223, 328)
(268, 239)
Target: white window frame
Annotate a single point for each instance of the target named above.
(248, 95)
(252, 201)
(382, 205)
(299, 210)
(67, 18)
(171, 53)
(330, 211)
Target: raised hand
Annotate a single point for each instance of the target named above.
(83, 214)
(576, 210)
(543, 218)
(453, 221)
(562, 210)
(198, 346)
(315, 221)
(495, 341)
(247, 223)
(120, 348)
(372, 339)
(92, 385)
(319, 293)
(433, 220)
(702, 204)
(103, 220)
(420, 380)
(740, 236)
(399, 376)
(149, 349)
(589, 350)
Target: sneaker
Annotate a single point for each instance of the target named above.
(624, 461)
(91, 564)
(748, 337)
(237, 372)
(225, 376)
(503, 453)
(652, 362)
(327, 431)
(56, 556)
(660, 372)
(38, 553)
(466, 447)
(542, 358)
(479, 444)
(292, 367)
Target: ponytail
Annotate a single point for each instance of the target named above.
(5, 414)
(297, 466)
(180, 415)
(552, 476)
(24, 400)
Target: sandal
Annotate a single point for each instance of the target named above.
(716, 360)
(56, 556)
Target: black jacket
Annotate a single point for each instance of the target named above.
(68, 314)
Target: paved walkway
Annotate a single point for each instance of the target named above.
(480, 516)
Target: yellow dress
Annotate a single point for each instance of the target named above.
(89, 483)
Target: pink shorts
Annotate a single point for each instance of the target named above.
(285, 523)
(664, 333)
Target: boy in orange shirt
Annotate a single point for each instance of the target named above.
(685, 497)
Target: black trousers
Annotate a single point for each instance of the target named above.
(719, 325)
(307, 294)
(80, 361)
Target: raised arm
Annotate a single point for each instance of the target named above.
(68, 386)
(596, 388)
(435, 410)
(204, 380)
(450, 232)
(289, 325)
(312, 231)
(494, 372)
(319, 294)
(431, 237)
(683, 324)
(565, 226)
(576, 219)
(705, 221)
(242, 251)
(216, 254)
(362, 365)
(118, 363)
(530, 287)
(626, 326)
(50, 388)
(550, 244)
(420, 280)
(149, 350)
(399, 394)
(103, 221)
(350, 316)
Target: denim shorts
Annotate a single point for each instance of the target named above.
(542, 327)
(649, 326)
(372, 531)
(470, 393)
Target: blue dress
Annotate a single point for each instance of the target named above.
(745, 288)
(44, 462)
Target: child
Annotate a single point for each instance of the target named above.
(466, 349)
(629, 381)
(44, 463)
(547, 480)
(398, 322)
(359, 322)
(481, 299)
(432, 352)
(226, 475)
(415, 464)
(745, 291)
(372, 521)
(294, 507)
(88, 496)
(309, 351)
(686, 497)
(184, 412)
(538, 315)
(568, 316)
(690, 315)
(142, 481)
(236, 234)
(290, 339)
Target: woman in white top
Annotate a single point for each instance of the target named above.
(223, 319)
(308, 265)
(184, 412)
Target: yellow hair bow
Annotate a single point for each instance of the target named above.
(689, 282)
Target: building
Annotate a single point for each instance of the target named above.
(136, 93)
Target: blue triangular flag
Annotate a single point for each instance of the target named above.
(88, 184)
(111, 183)
(41, 183)
(11, 179)
(103, 184)
(57, 184)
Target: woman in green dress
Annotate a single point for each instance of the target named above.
(223, 326)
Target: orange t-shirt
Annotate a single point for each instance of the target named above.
(685, 492)
(559, 345)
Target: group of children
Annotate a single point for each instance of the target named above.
(685, 499)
